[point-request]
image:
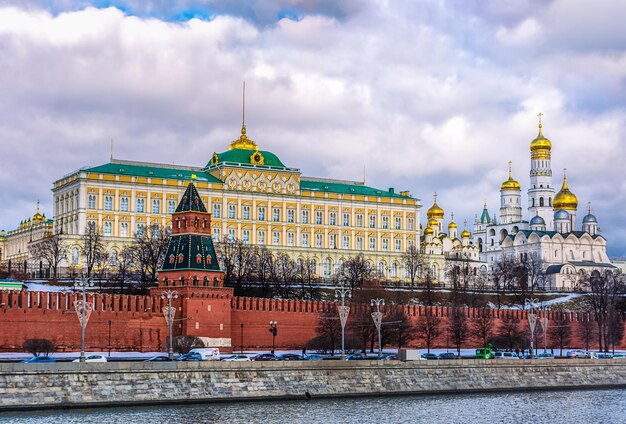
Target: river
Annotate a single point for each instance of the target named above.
(589, 406)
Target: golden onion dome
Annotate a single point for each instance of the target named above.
(565, 199)
(465, 234)
(435, 211)
(429, 231)
(433, 223)
(511, 184)
(540, 147)
(452, 224)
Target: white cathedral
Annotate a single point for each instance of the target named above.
(551, 235)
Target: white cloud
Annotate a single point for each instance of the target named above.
(418, 94)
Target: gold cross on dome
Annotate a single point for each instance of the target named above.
(540, 115)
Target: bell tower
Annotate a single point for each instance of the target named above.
(541, 191)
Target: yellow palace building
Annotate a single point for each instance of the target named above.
(253, 197)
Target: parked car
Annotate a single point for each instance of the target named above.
(237, 358)
(545, 355)
(446, 355)
(356, 357)
(505, 355)
(290, 357)
(93, 358)
(191, 356)
(207, 353)
(160, 358)
(313, 357)
(39, 360)
(265, 357)
(428, 356)
(578, 354)
(484, 353)
(619, 356)
(601, 355)
(389, 357)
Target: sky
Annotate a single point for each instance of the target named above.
(428, 95)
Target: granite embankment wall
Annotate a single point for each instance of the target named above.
(30, 386)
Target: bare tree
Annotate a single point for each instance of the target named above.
(587, 331)
(509, 332)
(150, 248)
(262, 269)
(52, 250)
(604, 293)
(429, 327)
(284, 274)
(183, 344)
(400, 328)
(328, 331)
(458, 328)
(561, 330)
(483, 325)
(122, 268)
(360, 325)
(413, 263)
(101, 268)
(93, 248)
(39, 346)
(306, 274)
(356, 271)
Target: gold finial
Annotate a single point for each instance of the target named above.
(540, 115)
(510, 169)
(194, 177)
(243, 110)
(435, 197)
(588, 208)
(452, 217)
(37, 206)
(485, 204)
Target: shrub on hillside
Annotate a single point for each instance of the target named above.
(183, 344)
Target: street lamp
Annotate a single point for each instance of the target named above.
(378, 317)
(83, 311)
(531, 305)
(169, 312)
(343, 293)
(274, 331)
(241, 338)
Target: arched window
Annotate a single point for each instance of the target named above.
(172, 259)
(180, 259)
(533, 201)
(205, 281)
(208, 260)
(75, 255)
(198, 258)
(541, 201)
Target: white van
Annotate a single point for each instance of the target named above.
(505, 355)
(207, 353)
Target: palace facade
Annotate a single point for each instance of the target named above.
(253, 197)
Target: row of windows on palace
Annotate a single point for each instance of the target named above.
(305, 238)
(261, 215)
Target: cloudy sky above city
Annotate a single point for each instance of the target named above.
(428, 95)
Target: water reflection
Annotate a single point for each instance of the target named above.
(599, 406)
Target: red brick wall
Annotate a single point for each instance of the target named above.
(137, 322)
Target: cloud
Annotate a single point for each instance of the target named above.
(434, 96)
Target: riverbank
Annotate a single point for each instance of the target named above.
(72, 385)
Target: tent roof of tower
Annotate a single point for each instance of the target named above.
(191, 201)
(190, 252)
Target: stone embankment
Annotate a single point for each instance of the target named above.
(63, 385)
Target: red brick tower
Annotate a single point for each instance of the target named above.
(191, 269)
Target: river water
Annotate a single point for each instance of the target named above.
(593, 406)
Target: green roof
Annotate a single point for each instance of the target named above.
(241, 156)
(152, 171)
(347, 188)
(190, 251)
(191, 201)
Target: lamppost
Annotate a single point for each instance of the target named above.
(83, 310)
(531, 305)
(274, 331)
(544, 326)
(341, 294)
(109, 338)
(378, 317)
(169, 312)
(241, 338)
